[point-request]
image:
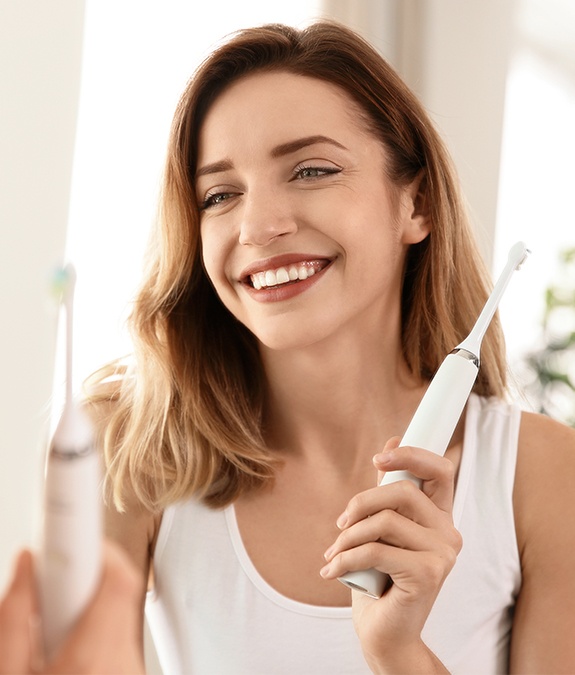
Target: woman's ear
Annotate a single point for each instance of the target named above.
(417, 221)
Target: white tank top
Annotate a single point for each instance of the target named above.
(211, 613)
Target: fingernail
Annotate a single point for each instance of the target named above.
(342, 520)
(324, 571)
(384, 457)
(329, 553)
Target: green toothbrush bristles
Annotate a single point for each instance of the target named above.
(62, 283)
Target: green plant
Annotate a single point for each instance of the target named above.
(550, 370)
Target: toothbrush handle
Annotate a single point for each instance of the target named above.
(70, 554)
(431, 428)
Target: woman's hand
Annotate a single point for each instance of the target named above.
(409, 534)
(104, 641)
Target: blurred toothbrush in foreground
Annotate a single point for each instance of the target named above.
(70, 555)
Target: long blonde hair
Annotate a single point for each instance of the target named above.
(187, 417)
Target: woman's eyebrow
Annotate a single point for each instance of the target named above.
(299, 143)
(216, 167)
(277, 151)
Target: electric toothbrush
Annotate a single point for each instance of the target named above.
(436, 417)
(69, 559)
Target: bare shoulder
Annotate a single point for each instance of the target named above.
(536, 429)
(545, 477)
(545, 523)
(135, 529)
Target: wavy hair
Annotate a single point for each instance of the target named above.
(186, 418)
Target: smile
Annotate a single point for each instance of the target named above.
(286, 274)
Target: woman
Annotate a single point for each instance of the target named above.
(311, 269)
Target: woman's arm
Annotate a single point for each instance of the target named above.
(135, 532)
(135, 529)
(543, 638)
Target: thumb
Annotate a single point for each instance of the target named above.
(17, 609)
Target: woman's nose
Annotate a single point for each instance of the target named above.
(264, 218)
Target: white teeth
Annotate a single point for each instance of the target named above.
(282, 275)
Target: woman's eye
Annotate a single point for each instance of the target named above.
(311, 172)
(215, 199)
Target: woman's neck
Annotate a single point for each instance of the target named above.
(339, 402)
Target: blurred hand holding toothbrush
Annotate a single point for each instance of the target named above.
(69, 559)
(105, 638)
(80, 595)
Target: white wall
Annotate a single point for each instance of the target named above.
(455, 55)
(464, 63)
(40, 53)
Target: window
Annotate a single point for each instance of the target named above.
(537, 172)
(138, 57)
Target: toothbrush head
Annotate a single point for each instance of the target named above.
(517, 255)
(62, 283)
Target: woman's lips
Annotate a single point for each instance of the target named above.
(287, 274)
(282, 277)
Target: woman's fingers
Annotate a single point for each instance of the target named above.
(107, 638)
(376, 535)
(427, 561)
(17, 609)
(385, 526)
(436, 473)
(105, 641)
(404, 497)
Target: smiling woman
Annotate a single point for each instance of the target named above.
(243, 441)
(257, 399)
(297, 198)
(312, 267)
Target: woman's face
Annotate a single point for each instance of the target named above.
(300, 235)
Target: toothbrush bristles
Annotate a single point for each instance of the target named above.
(62, 283)
(520, 263)
(63, 287)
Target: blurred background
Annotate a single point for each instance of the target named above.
(87, 91)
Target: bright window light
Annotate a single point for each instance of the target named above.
(537, 178)
(138, 57)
